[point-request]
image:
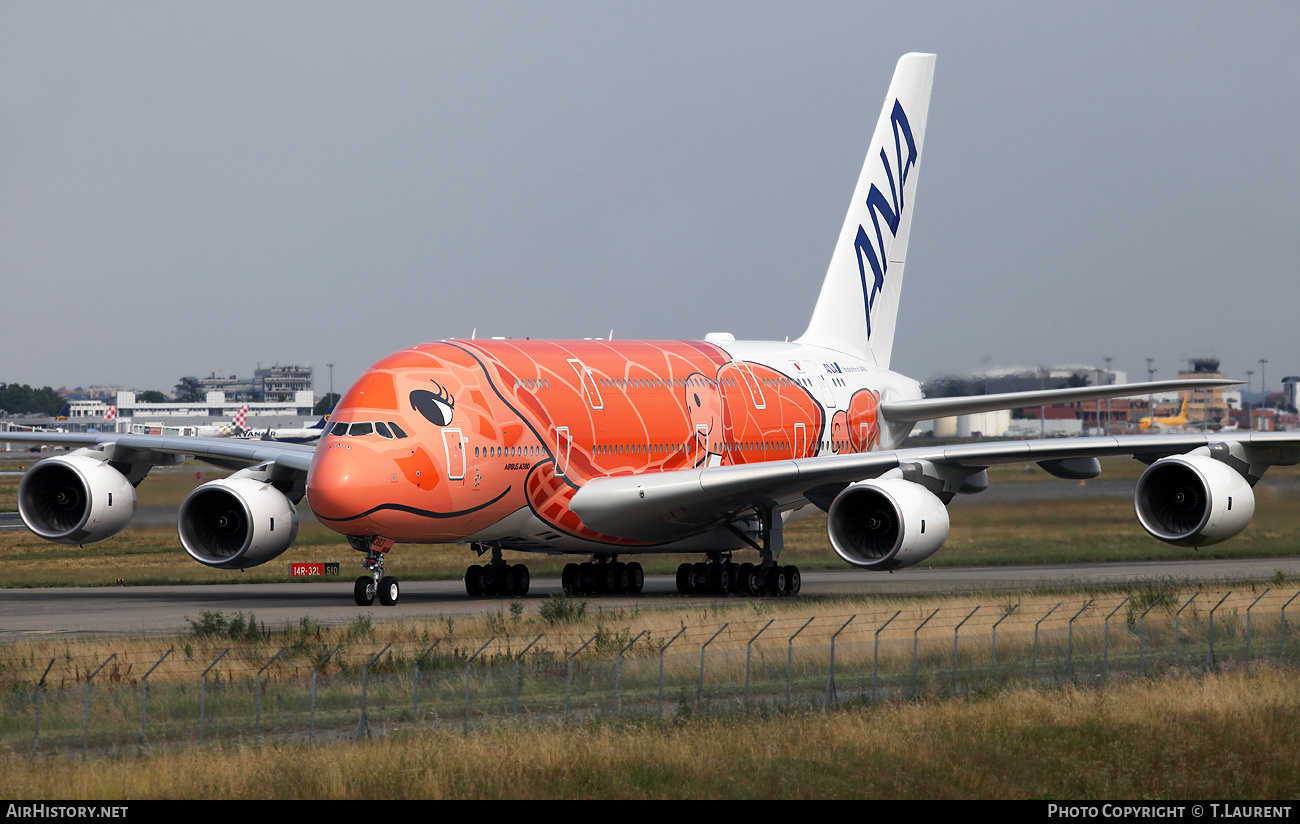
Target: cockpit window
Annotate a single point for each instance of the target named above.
(382, 430)
(397, 430)
(360, 429)
(339, 429)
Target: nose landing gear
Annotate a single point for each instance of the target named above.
(376, 583)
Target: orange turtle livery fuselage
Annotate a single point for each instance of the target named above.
(487, 441)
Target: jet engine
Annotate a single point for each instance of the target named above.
(75, 499)
(236, 523)
(886, 523)
(1193, 500)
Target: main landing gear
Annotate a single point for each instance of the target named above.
(604, 574)
(376, 583)
(722, 577)
(719, 576)
(496, 577)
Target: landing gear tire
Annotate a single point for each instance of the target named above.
(364, 591)
(776, 581)
(389, 591)
(519, 580)
(474, 580)
(794, 581)
(719, 579)
(684, 579)
(750, 580)
(569, 579)
(635, 578)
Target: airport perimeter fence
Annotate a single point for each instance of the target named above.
(297, 687)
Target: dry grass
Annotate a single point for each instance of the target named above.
(1225, 736)
(567, 624)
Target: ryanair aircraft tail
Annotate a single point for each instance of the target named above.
(858, 305)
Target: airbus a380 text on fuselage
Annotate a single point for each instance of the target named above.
(609, 449)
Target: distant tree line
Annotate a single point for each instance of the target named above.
(326, 403)
(20, 399)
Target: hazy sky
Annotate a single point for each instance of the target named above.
(191, 187)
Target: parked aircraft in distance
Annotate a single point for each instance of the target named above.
(608, 450)
(1167, 422)
(305, 434)
(238, 426)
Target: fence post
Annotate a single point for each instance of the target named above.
(618, 668)
(362, 725)
(749, 648)
(569, 685)
(789, 659)
(1069, 655)
(415, 704)
(518, 658)
(85, 733)
(144, 700)
(830, 683)
(875, 655)
(993, 652)
(1033, 669)
(1281, 639)
(915, 632)
(699, 696)
(956, 630)
(203, 691)
(40, 689)
(257, 728)
(661, 669)
(1248, 609)
(1209, 657)
(1177, 627)
(1142, 638)
(311, 730)
(1105, 646)
(469, 661)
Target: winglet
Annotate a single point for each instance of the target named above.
(858, 305)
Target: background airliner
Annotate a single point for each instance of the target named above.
(1179, 419)
(611, 449)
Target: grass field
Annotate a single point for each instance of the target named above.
(1055, 530)
(1221, 735)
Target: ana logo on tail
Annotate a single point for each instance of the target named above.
(890, 209)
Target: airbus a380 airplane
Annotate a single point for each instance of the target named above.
(611, 449)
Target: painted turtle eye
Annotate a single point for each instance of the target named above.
(435, 407)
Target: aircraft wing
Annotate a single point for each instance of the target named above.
(670, 505)
(926, 408)
(143, 449)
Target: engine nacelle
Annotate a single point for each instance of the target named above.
(75, 499)
(886, 523)
(1193, 500)
(236, 523)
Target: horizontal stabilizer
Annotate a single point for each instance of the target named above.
(927, 408)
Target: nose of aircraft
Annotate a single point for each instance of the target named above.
(342, 483)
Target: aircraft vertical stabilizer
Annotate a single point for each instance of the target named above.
(858, 305)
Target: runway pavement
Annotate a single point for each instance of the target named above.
(26, 613)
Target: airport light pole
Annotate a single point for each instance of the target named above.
(1099, 429)
(1151, 398)
(1109, 380)
(1250, 410)
(331, 395)
(1263, 387)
